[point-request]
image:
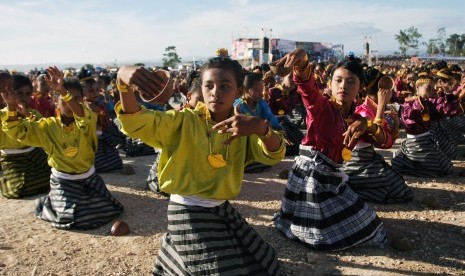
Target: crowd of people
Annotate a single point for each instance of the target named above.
(61, 129)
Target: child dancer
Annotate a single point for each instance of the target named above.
(194, 96)
(25, 169)
(318, 207)
(204, 151)
(369, 175)
(107, 157)
(445, 82)
(419, 155)
(78, 197)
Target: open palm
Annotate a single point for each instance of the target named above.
(54, 78)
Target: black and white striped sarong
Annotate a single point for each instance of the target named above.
(78, 204)
(321, 210)
(212, 241)
(451, 131)
(135, 147)
(442, 141)
(107, 157)
(420, 156)
(116, 137)
(24, 174)
(152, 180)
(375, 180)
(458, 123)
(293, 134)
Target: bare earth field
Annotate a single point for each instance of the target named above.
(29, 246)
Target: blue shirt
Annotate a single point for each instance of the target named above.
(262, 110)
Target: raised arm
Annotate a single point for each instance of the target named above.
(133, 78)
(55, 80)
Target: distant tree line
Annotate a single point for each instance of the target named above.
(409, 39)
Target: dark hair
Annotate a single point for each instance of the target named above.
(265, 67)
(251, 79)
(85, 77)
(20, 81)
(194, 75)
(106, 79)
(86, 83)
(442, 64)
(73, 83)
(372, 76)
(224, 63)
(353, 65)
(455, 68)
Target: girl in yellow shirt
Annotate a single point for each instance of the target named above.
(201, 166)
(78, 197)
(25, 169)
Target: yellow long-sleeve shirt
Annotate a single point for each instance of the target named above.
(183, 167)
(6, 142)
(54, 137)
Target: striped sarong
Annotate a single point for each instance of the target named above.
(78, 204)
(116, 137)
(107, 157)
(442, 141)
(152, 179)
(420, 156)
(135, 147)
(451, 131)
(25, 174)
(458, 123)
(293, 134)
(375, 180)
(321, 210)
(212, 241)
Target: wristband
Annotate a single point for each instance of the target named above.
(369, 123)
(12, 113)
(379, 121)
(268, 133)
(122, 87)
(68, 97)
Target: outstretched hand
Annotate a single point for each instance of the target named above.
(140, 79)
(353, 133)
(298, 57)
(54, 78)
(240, 125)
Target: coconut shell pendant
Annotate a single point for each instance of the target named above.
(346, 154)
(71, 151)
(216, 160)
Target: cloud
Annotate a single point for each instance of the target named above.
(98, 31)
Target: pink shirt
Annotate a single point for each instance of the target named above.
(368, 110)
(325, 124)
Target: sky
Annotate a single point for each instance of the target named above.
(106, 31)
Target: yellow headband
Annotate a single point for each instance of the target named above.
(422, 81)
(442, 75)
(423, 74)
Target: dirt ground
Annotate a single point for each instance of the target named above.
(29, 246)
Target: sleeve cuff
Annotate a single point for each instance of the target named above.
(119, 110)
(280, 152)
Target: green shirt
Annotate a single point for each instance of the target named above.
(183, 167)
(6, 142)
(54, 137)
